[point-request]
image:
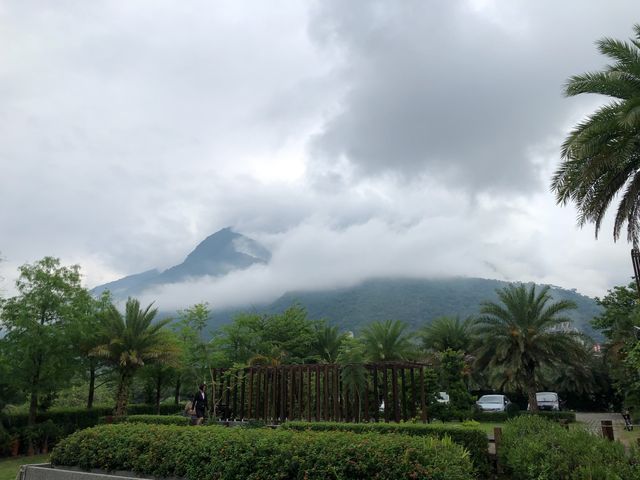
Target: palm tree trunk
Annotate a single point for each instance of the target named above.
(158, 392)
(531, 394)
(122, 395)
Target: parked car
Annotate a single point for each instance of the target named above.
(547, 401)
(443, 397)
(493, 403)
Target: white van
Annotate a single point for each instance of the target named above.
(547, 401)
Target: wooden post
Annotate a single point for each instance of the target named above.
(235, 396)
(376, 395)
(308, 394)
(607, 429)
(325, 390)
(423, 403)
(266, 393)
(385, 390)
(250, 403)
(394, 390)
(212, 410)
(317, 369)
(366, 400)
(336, 394)
(413, 393)
(403, 394)
(497, 439)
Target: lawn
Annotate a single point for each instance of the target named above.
(9, 467)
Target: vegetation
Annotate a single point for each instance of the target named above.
(600, 155)
(128, 341)
(260, 453)
(522, 336)
(534, 448)
(179, 420)
(473, 439)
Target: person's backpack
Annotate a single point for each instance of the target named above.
(188, 408)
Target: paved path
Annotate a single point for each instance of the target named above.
(592, 420)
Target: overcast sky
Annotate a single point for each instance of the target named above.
(354, 139)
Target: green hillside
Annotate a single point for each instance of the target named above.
(414, 301)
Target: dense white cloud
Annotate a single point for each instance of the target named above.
(355, 139)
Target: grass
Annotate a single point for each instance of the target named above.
(9, 467)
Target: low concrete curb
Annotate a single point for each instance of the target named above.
(44, 471)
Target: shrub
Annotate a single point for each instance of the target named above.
(473, 440)
(500, 417)
(230, 453)
(535, 448)
(153, 419)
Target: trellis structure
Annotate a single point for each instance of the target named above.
(391, 392)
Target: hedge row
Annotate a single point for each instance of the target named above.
(179, 420)
(231, 453)
(472, 439)
(504, 416)
(535, 448)
(72, 419)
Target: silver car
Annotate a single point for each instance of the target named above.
(493, 403)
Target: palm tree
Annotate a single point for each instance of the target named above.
(353, 374)
(601, 155)
(386, 341)
(448, 333)
(129, 342)
(327, 342)
(523, 336)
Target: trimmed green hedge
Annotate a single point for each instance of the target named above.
(232, 453)
(72, 419)
(535, 448)
(504, 416)
(179, 420)
(473, 439)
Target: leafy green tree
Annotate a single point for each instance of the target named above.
(387, 341)
(452, 380)
(129, 342)
(160, 374)
(36, 321)
(525, 335)
(327, 342)
(448, 333)
(195, 352)
(600, 156)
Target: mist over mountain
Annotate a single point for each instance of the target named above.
(414, 301)
(217, 255)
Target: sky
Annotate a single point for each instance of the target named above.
(354, 139)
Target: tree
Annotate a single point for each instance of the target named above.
(327, 342)
(129, 342)
(387, 341)
(524, 335)
(36, 322)
(448, 333)
(353, 373)
(601, 155)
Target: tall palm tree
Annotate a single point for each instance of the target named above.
(129, 342)
(448, 333)
(601, 155)
(523, 336)
(327, 342)
(387, 341)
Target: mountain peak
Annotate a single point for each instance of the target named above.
(218, 254)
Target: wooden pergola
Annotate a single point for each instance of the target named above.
(391, 392)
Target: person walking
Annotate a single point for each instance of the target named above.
(200, 404)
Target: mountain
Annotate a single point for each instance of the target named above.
(414, 301)
(216, 255)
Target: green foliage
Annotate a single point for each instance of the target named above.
(472, 439)
(129, 342)
(37, 347)
(524, 336)
(600, 159)
(282, 338)
(534, 448)
(500, 417)
(452, 375)
(327, 342)
(179, 420)
(387, 341)
(229, 453)
(448, 333)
